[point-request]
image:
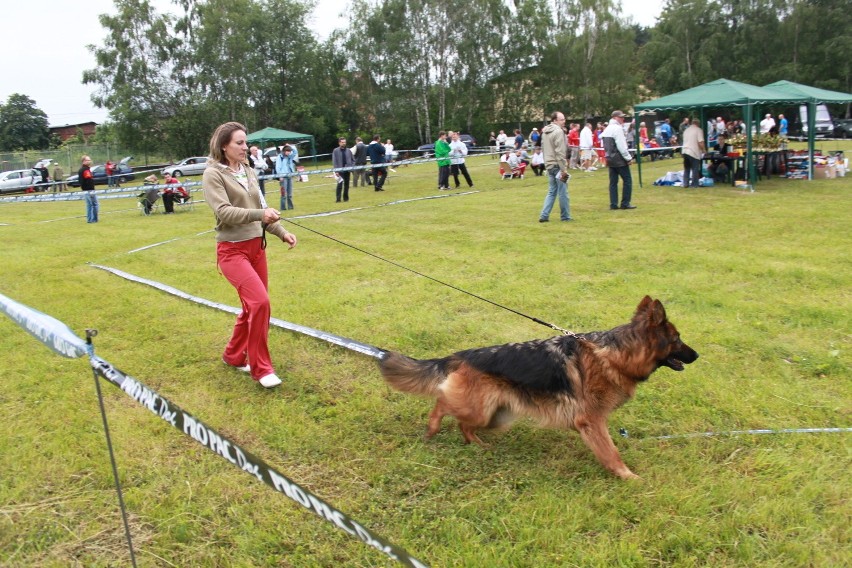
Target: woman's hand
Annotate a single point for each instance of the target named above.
(290, 239)
(270, 215)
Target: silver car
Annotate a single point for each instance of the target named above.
(18, 180)
(188, 167)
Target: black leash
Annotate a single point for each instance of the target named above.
(536, 320)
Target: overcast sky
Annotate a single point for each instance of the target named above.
(44, 49)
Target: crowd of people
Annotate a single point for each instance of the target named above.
(588, 147)
(234, 190)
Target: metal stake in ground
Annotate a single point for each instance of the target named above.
(90, 333)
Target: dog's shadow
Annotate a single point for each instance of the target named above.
(523, 448)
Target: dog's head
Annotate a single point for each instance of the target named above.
(669, 350)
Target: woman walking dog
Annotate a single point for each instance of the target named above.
(232, 190)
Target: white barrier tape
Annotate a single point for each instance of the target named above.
(345, 342)
(124, 192)
(58, 337)
(48, 330)
(153, 245)
(116, 193)
(624, 433)
(397, 202)
(245, 460)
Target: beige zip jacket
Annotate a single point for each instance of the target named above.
(239, 211)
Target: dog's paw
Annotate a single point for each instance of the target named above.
(627, 474)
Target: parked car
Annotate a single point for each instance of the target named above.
(46, 162)
(843, 128)
(18, 180)
(187, 167)
(467, 139)
(121, 172)
(799, 124)
(272, 151)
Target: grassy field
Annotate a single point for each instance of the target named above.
(758, 283)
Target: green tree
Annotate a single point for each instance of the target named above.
(23, 126)
(684, 49)
(753, 41)
(133, 73)
(817, 44)
(169, 80)
(589, 67)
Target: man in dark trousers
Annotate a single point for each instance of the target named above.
(361, 160)
(376, 151)
(442, 153)
(341, 157)
(618, 161)
(87, 184)
(45, 178)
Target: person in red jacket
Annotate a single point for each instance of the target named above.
(87, 184)
(110, 168)
(574, 146)
(172, 194)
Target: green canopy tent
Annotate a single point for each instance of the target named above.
(720, 93)
(276, 135)
(815, 96)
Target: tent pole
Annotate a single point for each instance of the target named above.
(636, 145)
(811, 137)
(750, 169)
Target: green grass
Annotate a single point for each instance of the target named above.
(758, 283)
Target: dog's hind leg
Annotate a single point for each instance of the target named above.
(469, 432)
(435, 419)
(594, 432)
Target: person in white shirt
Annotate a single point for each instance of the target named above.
(618, 160)
(766, 124)
(259, 166)
(693, 151)
(501, 140)
(587, 143)
(389, 153)
(458, 150)
(515, 163)
(537, 161)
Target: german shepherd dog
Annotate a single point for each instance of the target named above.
(565, 382)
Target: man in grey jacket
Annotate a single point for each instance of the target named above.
(554, 145)
(361, 160)
(618, 160)
(341, 157)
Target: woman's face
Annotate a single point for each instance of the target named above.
(235, 150)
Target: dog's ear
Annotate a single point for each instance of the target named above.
(644, 305)
(650, 310)
(657, 313)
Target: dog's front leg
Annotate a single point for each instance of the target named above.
(594, 432)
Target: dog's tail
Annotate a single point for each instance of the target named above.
(413, 375)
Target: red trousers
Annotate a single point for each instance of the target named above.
(244, 265)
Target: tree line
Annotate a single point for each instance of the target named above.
(408, 68)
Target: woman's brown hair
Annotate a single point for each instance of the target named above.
(221, 137)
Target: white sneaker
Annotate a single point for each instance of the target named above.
(593, 169)
(244, 368)
(270, 380)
